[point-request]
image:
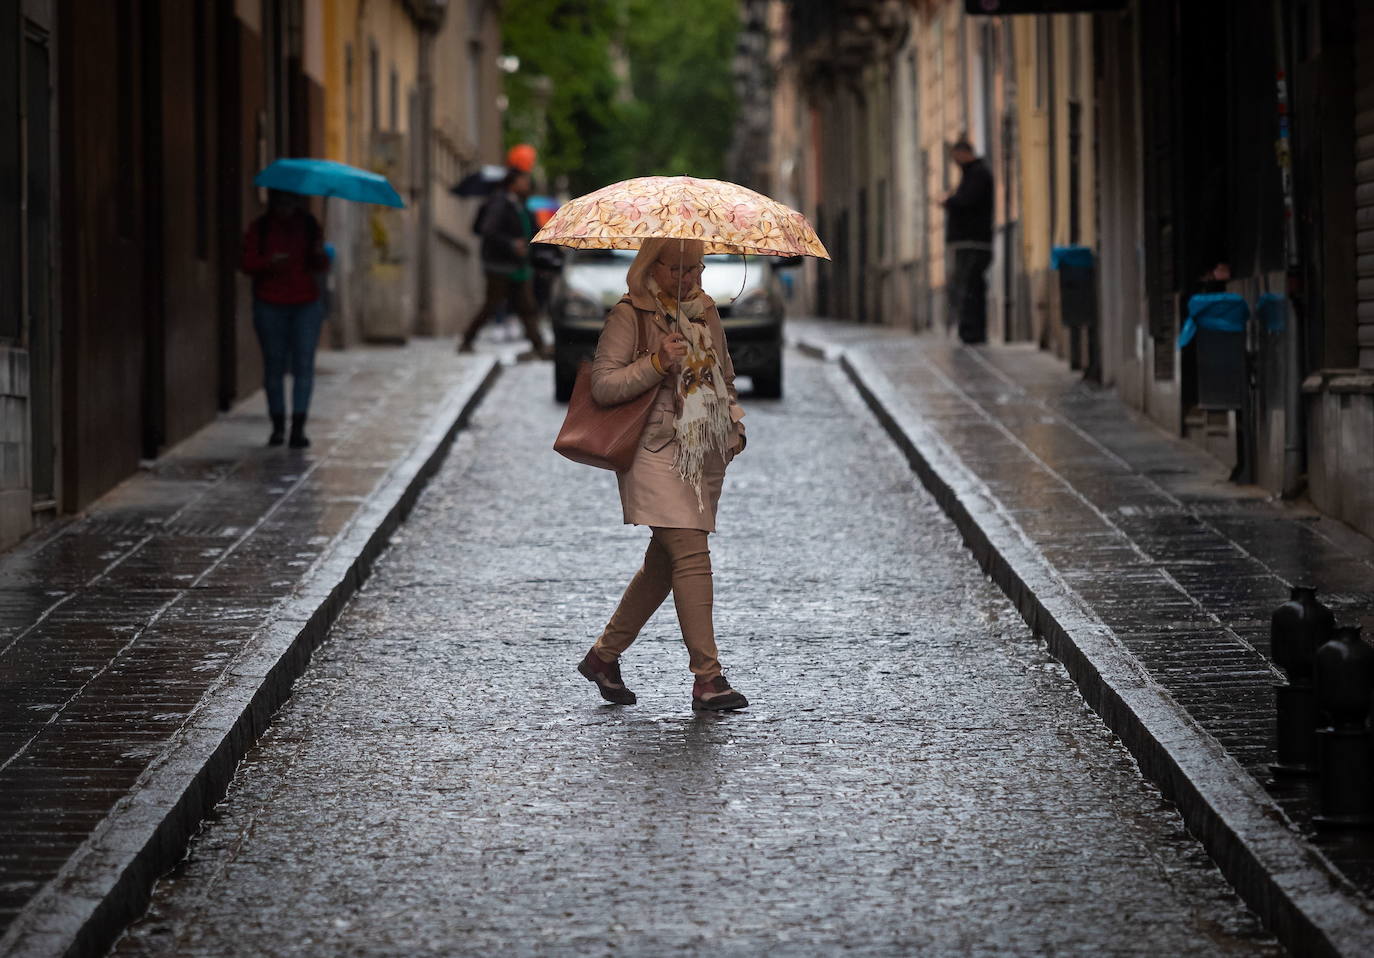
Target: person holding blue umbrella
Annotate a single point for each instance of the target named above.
(283, 251)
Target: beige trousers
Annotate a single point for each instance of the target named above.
(677, 560)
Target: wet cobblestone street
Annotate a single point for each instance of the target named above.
(915, 774)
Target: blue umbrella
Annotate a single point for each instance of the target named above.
(327, 178)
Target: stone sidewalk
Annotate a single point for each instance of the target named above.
(1152, 578)
(146, 643)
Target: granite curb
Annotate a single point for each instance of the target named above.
(107, 882)
(1296, 891)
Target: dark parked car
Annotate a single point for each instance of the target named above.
(749, 299)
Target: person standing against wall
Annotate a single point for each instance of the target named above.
(968, 234)
(283, 251)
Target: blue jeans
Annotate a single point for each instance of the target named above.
(288, 336)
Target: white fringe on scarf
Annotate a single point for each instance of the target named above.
(703, 423)
(698, 438)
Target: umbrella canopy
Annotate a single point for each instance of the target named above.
(480, 183)
(726, 217)
(541, 208)
(327, 178)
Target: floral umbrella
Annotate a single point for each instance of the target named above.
(726, 217)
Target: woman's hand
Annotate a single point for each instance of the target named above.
(740, 442)
(672, 350)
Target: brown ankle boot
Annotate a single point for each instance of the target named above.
(715, 695)
(606, 675)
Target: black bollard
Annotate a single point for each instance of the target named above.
(1345, 686)
(1297, 629)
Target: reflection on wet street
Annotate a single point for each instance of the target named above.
(915, 775)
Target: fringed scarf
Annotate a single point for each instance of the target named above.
(703, 423)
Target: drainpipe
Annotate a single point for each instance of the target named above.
(1292, 360)
(429, 16)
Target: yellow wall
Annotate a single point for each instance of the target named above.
(1066, 28)
(1043, 226)
(339, 18)
(312, 39)
(348, 106)
(1033, 136)
(942, 79)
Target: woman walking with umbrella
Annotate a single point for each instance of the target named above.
(665, 336)
(283, 251)
(694, 430)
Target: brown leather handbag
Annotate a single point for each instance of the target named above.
(605, 436)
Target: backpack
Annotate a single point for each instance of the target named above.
(312, 232)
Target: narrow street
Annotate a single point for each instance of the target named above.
(915, 774)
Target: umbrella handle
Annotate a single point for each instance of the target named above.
(681, 249)
(743, 282)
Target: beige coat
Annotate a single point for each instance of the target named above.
(651, 493)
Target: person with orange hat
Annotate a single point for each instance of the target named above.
(522, 157)
(506, 226)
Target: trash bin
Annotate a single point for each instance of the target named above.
(1077, 285)
(1217, 322)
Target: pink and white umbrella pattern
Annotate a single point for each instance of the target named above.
(726, 217)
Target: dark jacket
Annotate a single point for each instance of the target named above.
(500, 224)
(283, 254)
(968, 212)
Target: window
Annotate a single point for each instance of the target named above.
(1074, 56)
(394, 101)
(474, 94)
(476, 91)
(374, 87)
(882, 220)
(349, 117)
(1043, 64)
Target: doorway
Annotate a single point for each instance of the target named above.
(38, 254)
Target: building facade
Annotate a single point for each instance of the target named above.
(162, 114)
(1190, 145)
(132, 131)
(29, 451)
(412, 93)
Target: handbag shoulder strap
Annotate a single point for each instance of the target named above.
(641, 334)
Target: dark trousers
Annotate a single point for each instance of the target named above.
(501, 287)
(969, 292)
(288, 336)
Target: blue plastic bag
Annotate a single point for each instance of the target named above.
(1271, 309)
(1219, 312)
(1080, 256)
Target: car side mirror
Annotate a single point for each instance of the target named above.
(787, 262)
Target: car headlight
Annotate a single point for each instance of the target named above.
(754, 305)
(579, 308)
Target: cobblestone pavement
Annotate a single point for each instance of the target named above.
(116, 626)
(915, 776)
